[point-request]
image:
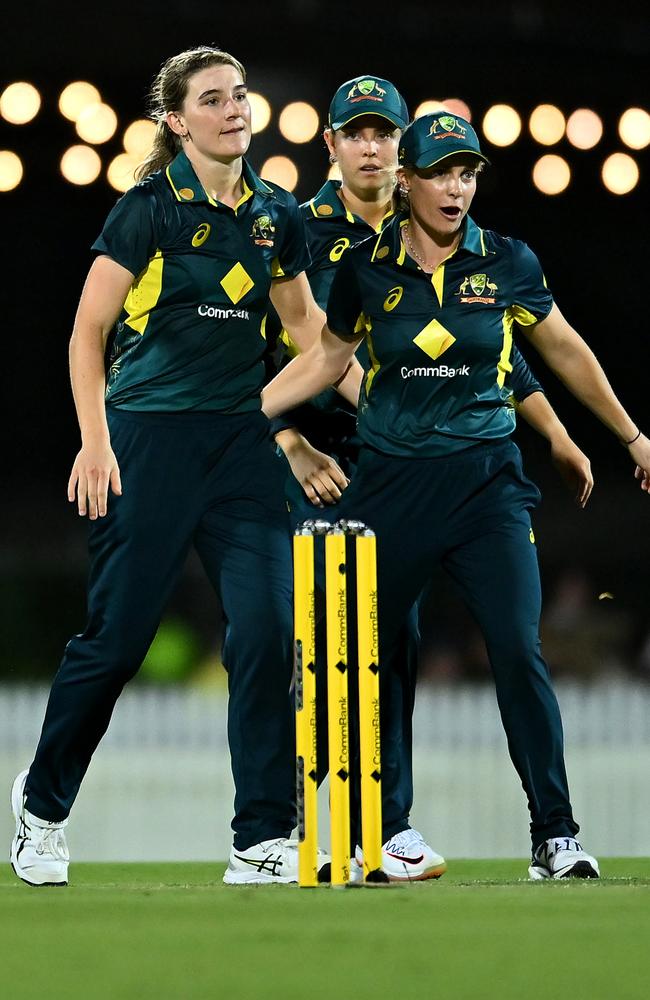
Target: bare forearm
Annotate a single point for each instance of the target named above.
(575, 364)
(301, 379)
(540, 415)
(350, 385)
(88, 383)
(583, 376)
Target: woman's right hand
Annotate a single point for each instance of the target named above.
(320, 476)
(639, 450)
(574, 467)
(94, 469)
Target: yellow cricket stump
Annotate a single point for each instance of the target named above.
(337, 704)
(337, 697)
(369, 732)
(305, 695)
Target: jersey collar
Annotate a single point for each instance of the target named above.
(390, 249)
(187, 187)
(327, 205)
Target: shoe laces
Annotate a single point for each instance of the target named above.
(554, 845)
(404, 841)
(49, 840)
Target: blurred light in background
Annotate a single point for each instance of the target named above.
(501, 125)
(121, 170)
(96, 123)
(458, 107)
(260, 112)
(281, 170)
(428, 107)
(634, 128)
(334, 173)
(452, 104)
(620, 173)
(19, 103)
(584, 129)
(547, 124)
(299, 122)
(81, 165)
(551, 174)
(76, 97)
(11, 170)
(138, 138)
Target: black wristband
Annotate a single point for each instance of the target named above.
(635, 438)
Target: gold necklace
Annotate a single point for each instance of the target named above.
(412, 250)
(407, 235)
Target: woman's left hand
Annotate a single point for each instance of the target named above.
(574, 467)
(640, 453)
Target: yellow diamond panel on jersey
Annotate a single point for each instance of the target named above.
(191, 333)
(434, 340)
(442, 343)
(237, 283)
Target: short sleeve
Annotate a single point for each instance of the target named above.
(522, 382)
(531, 299)
(344, 308)
(293, 255)
(130, 233)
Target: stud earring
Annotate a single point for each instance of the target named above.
(333, 158)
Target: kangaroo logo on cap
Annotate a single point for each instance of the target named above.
(449, 124)
(364, 88)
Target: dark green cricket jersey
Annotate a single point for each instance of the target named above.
(331, 229)
(191, 335)
(440, 345)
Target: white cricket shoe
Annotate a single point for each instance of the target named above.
(562, 857)
(39, 853)
(356, 871)
(270, 861)
(407, 857)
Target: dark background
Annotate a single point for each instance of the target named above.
(593, 246)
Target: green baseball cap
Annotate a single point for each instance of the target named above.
(436, 136)
(367, 95)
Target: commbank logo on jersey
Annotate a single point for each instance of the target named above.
(263, 231)
(450, 127)
(477, 288)
(366, 90)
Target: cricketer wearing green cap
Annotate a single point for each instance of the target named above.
(439, 300)
(434, 138)
(367, 95)
(323, 431)
(365, 119)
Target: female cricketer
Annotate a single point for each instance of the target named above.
(439, 478)
(366, 118)
(185, 265)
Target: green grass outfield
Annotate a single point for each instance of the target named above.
(175, 931)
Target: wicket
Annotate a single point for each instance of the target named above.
(337, 699)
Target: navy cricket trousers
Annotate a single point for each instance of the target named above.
(213, 481)
(468, 512)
